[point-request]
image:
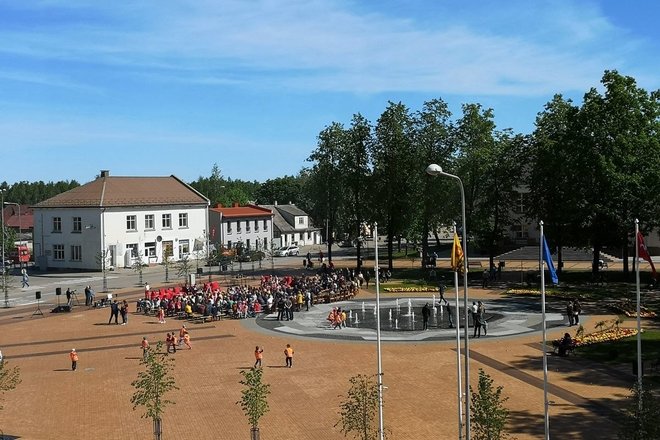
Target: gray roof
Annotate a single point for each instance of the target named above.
(280, 222)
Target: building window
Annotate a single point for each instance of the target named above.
(265, 243)
(77, 224)
(131, 223)
(150, 249)
(167, 221)
(238, 227)
(247, 243)
(247, 225)
(184, 248)
(309, 235)
(183, 220)
(76, 252)
(265, 225)
(301, 220)
(228, 227)
(57, 226)
(58, 252)
(256, 226)
(133, 247)
(149, 222)
(229, 244)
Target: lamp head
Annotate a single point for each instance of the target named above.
(433, 170)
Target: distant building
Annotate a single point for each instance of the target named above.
(249, 227)
(125, 218)
(292, 225)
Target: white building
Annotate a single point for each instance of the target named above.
(292, 225)
(249, 227)
(125, 218)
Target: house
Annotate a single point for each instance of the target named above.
(127, 219)
(292, 225)
(249, 227)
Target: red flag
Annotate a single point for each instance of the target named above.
(643, 252)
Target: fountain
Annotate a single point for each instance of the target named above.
(390, 314)
(397, 304)
(396, 324)
(413, 316)
(434, 301)
(350, 314)
(356, 321)
(409, 306)
(362, 306)
(375, 310)
(435, 311)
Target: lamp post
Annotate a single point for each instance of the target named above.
(381, 430)
(4, 267)
(436, 170)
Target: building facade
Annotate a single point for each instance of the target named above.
(292, 226)
(249, 227)
(120, 221)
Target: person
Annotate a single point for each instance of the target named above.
(145, 348)
(258, 356)
(114, 312)
(449, 315)
(569, 313)
(565, 344)
(170, 341)
(477, 320)
(367, 277)
(577, 309)
(481, 314)
(182, 332)
(308, 299)
(123, 310)
(88, 296)
(484, 279)
(186, 340)
(69, 294)
(25, 279)
(473, 311)
(147, 288)
(161, 315)
(288, 309)
(426, 313)
(74, 359)
(288, 354)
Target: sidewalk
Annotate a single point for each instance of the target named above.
(53, 402)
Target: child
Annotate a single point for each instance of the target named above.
(145, 348)
(258, 355)
(74, 359)
(288, 353)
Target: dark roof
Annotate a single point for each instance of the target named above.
(280, 222)
(111, 191)
(290, 209)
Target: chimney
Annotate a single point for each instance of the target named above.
(234, 205)
(105, 173)
(275, 202)
(219, 205)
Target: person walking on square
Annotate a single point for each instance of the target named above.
(183, 331)
(74, 359)
(25, 278)
(258, 356)
(577, 309)
(288, 356)
(569, 313)
(170, 341)
(481, 315)
(114, 312)
(145, 348)
(123, 310)
(426, 313)
(161, 315)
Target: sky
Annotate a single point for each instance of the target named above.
(153, 88)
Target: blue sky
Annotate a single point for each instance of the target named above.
(171, 87)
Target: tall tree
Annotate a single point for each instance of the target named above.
(254, 398)
(281, 189)
(354, 163)
(359, 410)
(396, 172)
(489, 416)
(325, 184)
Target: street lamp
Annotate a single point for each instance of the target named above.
(4, 266)
(436, 170)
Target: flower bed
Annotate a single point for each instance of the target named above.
(410, 289)
(548, 292)
(630, 310)
(612, 334)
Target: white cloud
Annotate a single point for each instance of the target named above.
(527, 48)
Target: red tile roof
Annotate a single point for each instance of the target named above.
(109, 191)
(243, 211)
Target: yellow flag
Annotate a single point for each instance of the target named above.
(456, 255)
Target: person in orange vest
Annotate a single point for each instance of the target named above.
(145, 348)
(170, 340)
(288, 353)
(186, 340)
(182, 332)
(74, 359)
(258, 355)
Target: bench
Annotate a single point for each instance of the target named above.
(569, 349)
(200, 319)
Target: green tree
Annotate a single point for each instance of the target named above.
(138, 266)
(640, 416)
(254, 398)
(396, 173)
(489, 416)
(183, 268)
(153, 384)
(10, 378)
(281, 189)
(359, 411)
(167, 254)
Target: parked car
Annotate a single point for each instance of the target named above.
(286, 251)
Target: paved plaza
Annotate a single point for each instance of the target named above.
(419, 369)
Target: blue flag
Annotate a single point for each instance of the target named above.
(548, 261)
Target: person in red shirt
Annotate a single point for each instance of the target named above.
(258, 355)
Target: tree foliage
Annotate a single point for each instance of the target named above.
(30, 193)
(359, 411)
(640, 415)
(254, 396)
(10, 378)
(489, 416)
(154, 383)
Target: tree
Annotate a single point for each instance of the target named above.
(254, 398)
(138, 266)
(640, 416)
(359, 410)
(10, 378)
(152, 384)
(183, 268)
(281, 189)
(489, 416)
(167, 253)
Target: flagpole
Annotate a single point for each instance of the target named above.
(458, 351)
(639, 322)
(381, 430)
(545, 353)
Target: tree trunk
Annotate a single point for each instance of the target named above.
(158, 429)
(596, 258)
(254, 433)
(625, 255)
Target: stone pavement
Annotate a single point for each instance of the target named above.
(53, 402)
